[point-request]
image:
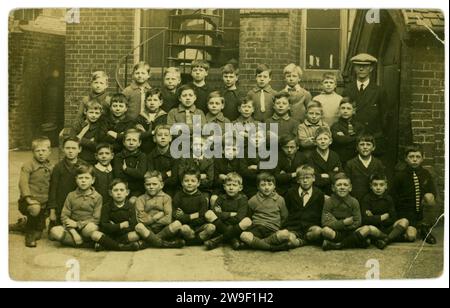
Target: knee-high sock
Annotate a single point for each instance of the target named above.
(396, 233)
(32, 223)
(220, 226)
(108, 243)
(260, 244)
(272, 240)
(165, 233)
(153, 240)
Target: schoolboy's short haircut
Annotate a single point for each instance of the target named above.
(292, 68)
(340, 176)
(313, 104)
(42, 140)
(200, 63)
(413, 148)
(304, 169)
(184, 87)
(347, 100)
(118, 181)
(281, 94)
(104, 146)
(161, 127)
(191, 171)
(71, 138)
(245, 101)
(172, 70)
(263, 68)
(132, 131)
(265, 177)
(93, 105)
(233, 177)
(142, 64)
(216, 94)
(153, 91)
(285, 139)
(378, 177)
(366, 138)
(99, 74)
(84, 168)
(329, 75)
(119, 98)
(153, 174)
(230, 69)
(322, 130)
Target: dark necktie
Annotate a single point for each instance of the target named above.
(303, 194)
(361, 88)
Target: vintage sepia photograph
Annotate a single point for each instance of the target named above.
(209, 144)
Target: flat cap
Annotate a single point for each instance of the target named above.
(363, 58)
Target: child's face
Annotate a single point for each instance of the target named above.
(323, 142)
(232, 188)
(365, 148)
(84, 181)
(92, 115)
(328, 85)
(99, 85)
(246, 110)
(187, 98)
(132, 142)
(199, 74)
(346, 111)
(119, 192)
(306, 180)
(342, 187)
(281, 106)
(263, 79)
(163, 138)
(141, 75)
(292, 79)
(230, 79)
(378, 187)
(118, 109)
(314, 115)
(104, 156)
(215, 105)
(153, 186)
(290, 148)
(171, 81)
(41, 152)
(190, 183)
(71, 149)
(231, 152)
(266, 188)
(198, 145)
(153, 103)
(414, 159)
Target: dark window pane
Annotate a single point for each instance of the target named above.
(323, 19)
(322, 49)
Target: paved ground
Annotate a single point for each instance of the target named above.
(50, 262)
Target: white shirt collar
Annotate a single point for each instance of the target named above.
(103, 168)
(365, 163)
(365, 83)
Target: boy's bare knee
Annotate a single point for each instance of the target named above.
(210, 216)
(327, 232)
(373, 230)
(411, 234)
(140, 228)
(175, 226)
(247, 237)
(133, 237)
(34, 209)
(245, 223)
(283, 235)
(404, 223)
(429, 200)
(56, 233)
(96, 236)
(89, 229)
(213, 200)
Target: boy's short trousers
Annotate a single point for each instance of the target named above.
(340, 235)
(386, 230)
(200, 228)
(413, 217)
(260, 231)
(23, 207)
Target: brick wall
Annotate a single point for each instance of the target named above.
(425, 69)
(101, 38)
(264, 38)
(32, 57)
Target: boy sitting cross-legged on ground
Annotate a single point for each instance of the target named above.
(117, 221)
(81, 213)
(268, 212)
(189, 208)
(378, 211)
(305, 205)
(229, 212)
(154, 215)
(341, 219)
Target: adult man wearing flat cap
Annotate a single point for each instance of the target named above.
(371, 109)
